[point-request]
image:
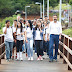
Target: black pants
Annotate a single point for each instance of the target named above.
(19, 45)
(39, 46)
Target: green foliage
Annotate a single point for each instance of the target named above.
(2, 24)
(68, 32)
(70, 2)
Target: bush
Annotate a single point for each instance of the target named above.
(2, 24)
(68, 32)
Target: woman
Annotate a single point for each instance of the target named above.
(29, 40)
(19, 33)
(38, 37)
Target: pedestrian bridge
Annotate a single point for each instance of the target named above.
(64, 63)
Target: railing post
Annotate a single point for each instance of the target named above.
(64, 50)
(0, 48)
(69, 55)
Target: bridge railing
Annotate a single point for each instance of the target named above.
(65, 50)
(2, 47)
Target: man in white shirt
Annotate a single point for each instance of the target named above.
(8, 40)
(55, 31)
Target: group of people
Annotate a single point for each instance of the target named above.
(39, 35)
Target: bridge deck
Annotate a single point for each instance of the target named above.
(33, 66)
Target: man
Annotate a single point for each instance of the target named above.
(7, 30)
(55, 31)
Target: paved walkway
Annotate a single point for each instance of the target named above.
(33, 66)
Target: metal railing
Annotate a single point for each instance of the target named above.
(65, 50)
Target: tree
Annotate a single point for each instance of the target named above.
(70, 2)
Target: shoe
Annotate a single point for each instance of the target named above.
(21, 59)
(26, 54)
(55, 60)
(7, 60)
(31, 58)
(50, 60)
(35, 53)
(12, 58)
(38, 59)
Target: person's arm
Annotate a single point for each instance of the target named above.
(60, 32)
(5, 30)
(26, 37)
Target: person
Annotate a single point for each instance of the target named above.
(14, 43)
(29, 40)
(38, 37)
(19, 44)
(8, 39)
(55, 31)
(46, 42)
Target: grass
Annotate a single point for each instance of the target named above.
(68, 32)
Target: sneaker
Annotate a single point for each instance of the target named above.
(38, 59)
(21, 59)
(35, 53)
(55, 60)
(7, 60)
(50, 60)
(26, 54)
(31, 58)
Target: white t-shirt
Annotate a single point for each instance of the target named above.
(55, 28)
(20, 37)
(9, 35)
(29, 32)
(46, 30)
(14, 29)
(37, 37)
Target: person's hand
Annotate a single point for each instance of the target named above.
(59, 37)
(45, 40)
(6, 25)
(48, 38)
(14, 40)
(26, 41)
(18, 34)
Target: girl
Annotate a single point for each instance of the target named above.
(19, 33)
(29, 40)
(38, 37)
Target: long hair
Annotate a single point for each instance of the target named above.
(29, 21)
(21, 26)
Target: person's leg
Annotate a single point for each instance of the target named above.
(51, 47)
(11, 48)
(56, 46)
(17, 46)
(7, 49)
(41, 48)
(28, 48)
(44, 46)
(37, 46)
(47, 47)
(31, 47)
(21, 44)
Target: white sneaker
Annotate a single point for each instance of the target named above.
(31, 58)
(17, 56)
(21, 59)
(38, 59)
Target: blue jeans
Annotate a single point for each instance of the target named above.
(53, 39)
(8, 49)
(30, 47)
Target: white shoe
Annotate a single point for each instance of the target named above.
(38, 59)
(31, 58)
(21, 59)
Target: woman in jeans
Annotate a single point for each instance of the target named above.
(19, 33)
(38, 37)
(29, 40)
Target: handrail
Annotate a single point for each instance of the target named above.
(65, 50)
(2, 47)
